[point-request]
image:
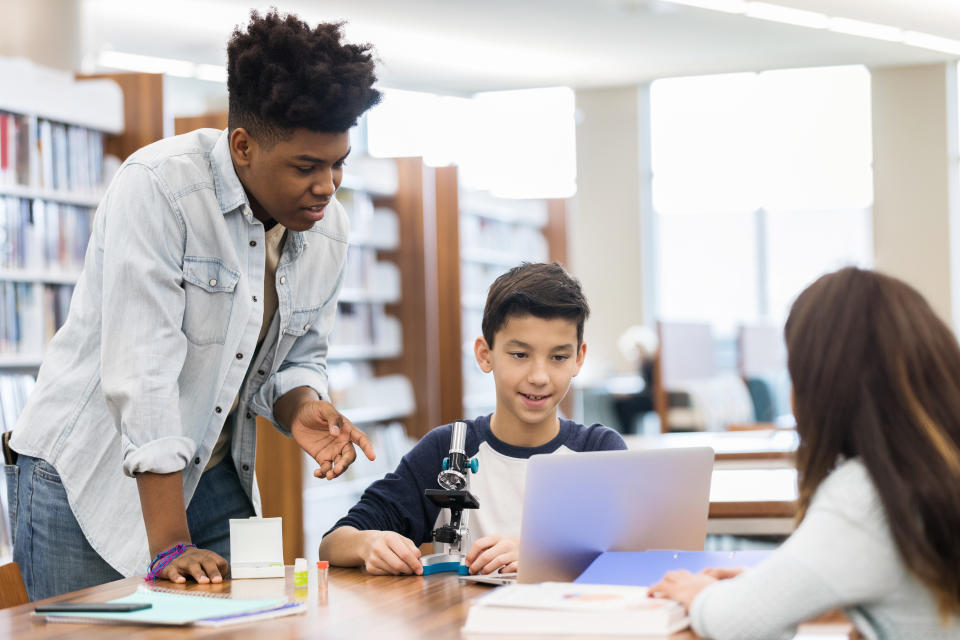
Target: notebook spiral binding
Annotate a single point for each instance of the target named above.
(182, 592)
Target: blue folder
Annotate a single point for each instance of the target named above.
(646, 568)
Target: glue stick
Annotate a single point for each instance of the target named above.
(300, 572)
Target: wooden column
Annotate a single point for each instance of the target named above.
(414, 203)
(142, 109)
(280, 479)
(556, 230)
(449, 336)
(187, 124)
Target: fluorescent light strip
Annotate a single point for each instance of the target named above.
(786, 15)
(928, 41)
(726, 6)
(814, 20)
(865, 29)
(168, 66)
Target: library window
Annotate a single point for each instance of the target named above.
(514, 144)
(761, 183)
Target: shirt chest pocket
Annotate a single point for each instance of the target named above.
(208, 286)
(300, 321)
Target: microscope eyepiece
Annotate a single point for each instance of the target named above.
(454, 477)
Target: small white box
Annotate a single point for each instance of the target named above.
(256, 548)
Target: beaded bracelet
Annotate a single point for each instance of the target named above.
(166, 558)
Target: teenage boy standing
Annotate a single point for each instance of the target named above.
(207, 296)
(533, 345)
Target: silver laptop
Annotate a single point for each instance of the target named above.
(576, 506)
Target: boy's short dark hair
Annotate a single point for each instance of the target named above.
(283, 75)
(543, 290)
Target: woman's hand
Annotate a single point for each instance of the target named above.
(682, 586)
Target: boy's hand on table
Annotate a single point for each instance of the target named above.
(328, 437)
(202, 565)
(493, 552)
(682, 586)
(387, 553)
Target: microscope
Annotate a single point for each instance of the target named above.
(449, 538)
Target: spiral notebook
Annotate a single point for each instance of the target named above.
(180, 608)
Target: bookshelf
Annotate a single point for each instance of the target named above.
(52, 133)
(495, 234)
(52, 173)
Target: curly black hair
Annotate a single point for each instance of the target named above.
(283, 75)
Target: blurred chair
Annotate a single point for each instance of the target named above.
(762, 360)
(12, 590)
(690, 394)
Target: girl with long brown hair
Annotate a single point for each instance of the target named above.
(876, 392)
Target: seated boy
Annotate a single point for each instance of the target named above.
(533, 344)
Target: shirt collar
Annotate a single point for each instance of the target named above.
(230, 193)
(231, 196)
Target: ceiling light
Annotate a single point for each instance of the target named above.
(155, 64)
(727, 6)
(786, 15)
(815, 20)
(934, 43)
(865, 29)
(211, 72)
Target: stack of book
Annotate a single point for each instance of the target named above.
(562, 609)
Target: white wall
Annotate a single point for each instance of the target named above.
(606, 231)
(914, 150)
(45, 31)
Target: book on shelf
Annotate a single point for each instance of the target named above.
(32, 313)
(563, 608)
(40, 235)
(14, 391)
(53, 156)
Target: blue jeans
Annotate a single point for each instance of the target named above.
(55, 557)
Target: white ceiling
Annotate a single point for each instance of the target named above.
(455, 46)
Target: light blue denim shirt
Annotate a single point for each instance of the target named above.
(162, 327)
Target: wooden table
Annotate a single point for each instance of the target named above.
(753, 501)
(354, 605)
(732, 449)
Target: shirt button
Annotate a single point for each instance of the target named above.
(261, 372)
(306, 326)
(249, 415)
(196, 460)
(239, 356)
(246, 467)
(219, 410)
(254, 298)
(213, 282)
(253, 243)
(283, 279)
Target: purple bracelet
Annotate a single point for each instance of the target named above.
(160, 562)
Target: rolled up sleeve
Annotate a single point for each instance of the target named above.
(143, 345)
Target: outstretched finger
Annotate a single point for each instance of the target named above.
(361, 440)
